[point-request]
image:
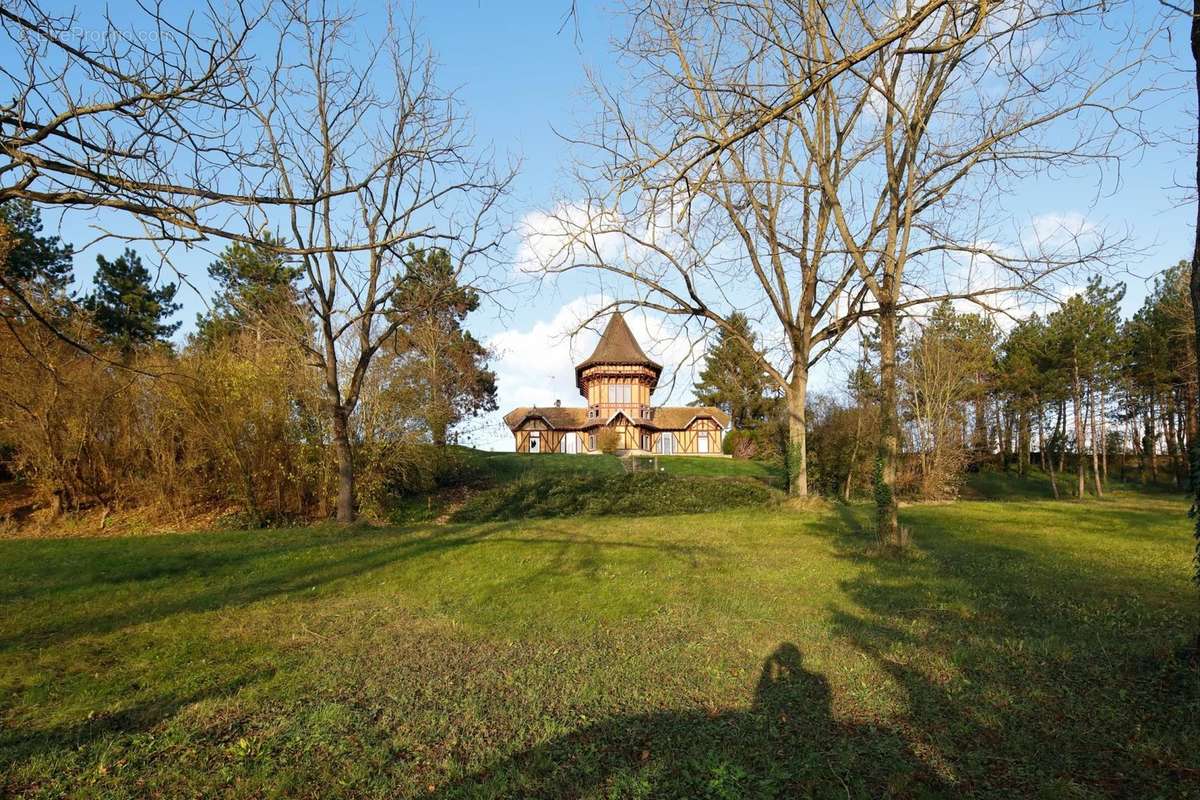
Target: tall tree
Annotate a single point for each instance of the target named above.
(1083, 333)
(256, 288)
(128, 310)
(382, 127)
(930, 107)
(436, 370)
(941, 367)
(732, 378)
(32, 257)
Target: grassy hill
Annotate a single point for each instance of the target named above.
(510, 466)
(1024, 648)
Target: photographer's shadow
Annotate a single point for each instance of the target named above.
(786, 744)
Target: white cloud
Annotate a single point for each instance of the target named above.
(569, 233)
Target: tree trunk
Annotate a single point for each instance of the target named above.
(1095, 445)
(1041, 420)
(981, 431)
(1049, 462)
(345, 464)
(858, 419)
(1062, 436)
(1194, 286)
(1024, 437)
(1150, 442)
(1103, 439)
(886, 507)
(1077, 402)
(797, 456)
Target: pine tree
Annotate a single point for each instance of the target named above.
(437, 370)
(731, 378)
(32, 258)
(128, 311)
(254, 285)
(1083, 335)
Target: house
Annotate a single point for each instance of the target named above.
(618, 380)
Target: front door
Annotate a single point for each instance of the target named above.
(535, 442)
(702, 442)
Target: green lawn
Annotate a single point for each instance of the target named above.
(1025, 648)
(503, 467)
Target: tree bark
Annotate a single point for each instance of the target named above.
(1194, 287)
(1150, 442)
(1041, 422)
(1077, 402)
(886, 507)
(797, 397)
(345, 464)
(1095, 444)
(1049, 462)
(1103, 439)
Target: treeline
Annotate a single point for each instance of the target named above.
(99, 409)
(1078, 391)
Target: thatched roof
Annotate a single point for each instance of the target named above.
(617, 347)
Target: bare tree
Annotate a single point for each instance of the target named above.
(754, 237)
(733, 184)
(147, 115)
(923, 139)
(970, 102)
(331, 120)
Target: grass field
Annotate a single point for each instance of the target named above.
(1024, 648)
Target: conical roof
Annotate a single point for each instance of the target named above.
(617, 347)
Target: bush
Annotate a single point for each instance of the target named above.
(631, 494)
(392, 474)
(608, 440)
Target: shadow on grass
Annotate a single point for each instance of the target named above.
(1025, 674)
(117, 590)
(23, 744)
(1016, 678)
(786, 744)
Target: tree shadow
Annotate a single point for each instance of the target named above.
(102, 599)
(1023, 676)
(787, 743)
(22, 744)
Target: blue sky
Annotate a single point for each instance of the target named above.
(520, 78)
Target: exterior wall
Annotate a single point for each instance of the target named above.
(550, 440)
(687, 440)
(596, 381)
(631, 437)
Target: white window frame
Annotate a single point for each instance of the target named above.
(535, 441)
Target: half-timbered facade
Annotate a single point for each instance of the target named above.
(617, 380)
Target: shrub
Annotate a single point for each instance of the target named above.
(630, 494)
(392, 474)
(608, 440)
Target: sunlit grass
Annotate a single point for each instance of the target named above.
(1024, 648)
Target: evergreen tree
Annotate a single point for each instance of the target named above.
(43, 261)
(731, 378)
(437, 371)
(127, 310)
(255, 284)
(1083, 340)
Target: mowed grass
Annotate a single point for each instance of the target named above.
(1023, 649)
(504, 467)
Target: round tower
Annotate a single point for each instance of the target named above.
(618, 375)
